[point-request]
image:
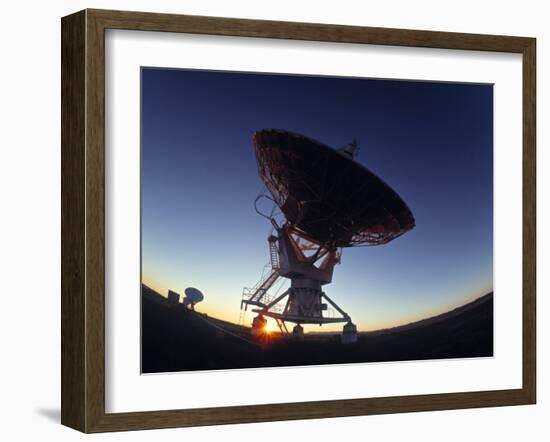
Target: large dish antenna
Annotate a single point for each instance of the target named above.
(329, 201)
(326, 194)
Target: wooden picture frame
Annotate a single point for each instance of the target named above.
(83, 220)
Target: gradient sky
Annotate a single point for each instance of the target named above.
(431, 142)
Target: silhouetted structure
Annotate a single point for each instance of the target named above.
(329, 201)
(173, 297)
(192, 296)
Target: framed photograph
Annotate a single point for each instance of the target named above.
(269, 220)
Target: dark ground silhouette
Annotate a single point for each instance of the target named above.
(177, 339)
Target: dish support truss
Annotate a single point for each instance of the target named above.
(308, 265)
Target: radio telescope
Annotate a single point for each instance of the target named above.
(192, 296)
(328, 201)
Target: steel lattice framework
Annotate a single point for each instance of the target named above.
(329, 201)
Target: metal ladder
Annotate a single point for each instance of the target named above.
(255, 295)
(273, 252)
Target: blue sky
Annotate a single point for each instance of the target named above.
(431, 142)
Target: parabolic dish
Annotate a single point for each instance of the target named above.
(193, 294)
(327, 195)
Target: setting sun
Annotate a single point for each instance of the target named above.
(270, 327)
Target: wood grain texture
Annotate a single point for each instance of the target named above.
(308, 410)
(73, 127)
(95, 222)
(83, 220)
(145, 21)
(529, 221)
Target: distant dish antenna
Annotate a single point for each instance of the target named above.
(192, 296)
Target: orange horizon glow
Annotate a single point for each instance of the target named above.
(232, 314)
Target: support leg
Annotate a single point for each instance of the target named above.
(349, 333)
